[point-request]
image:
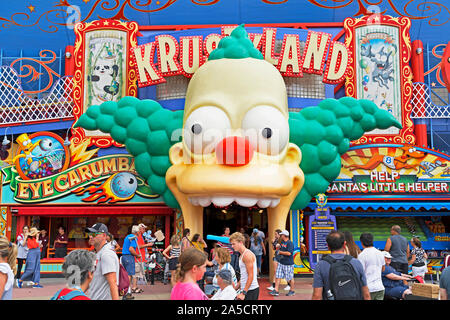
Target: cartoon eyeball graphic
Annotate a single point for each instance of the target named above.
(123, 185)
(119, 187)
(46, 144)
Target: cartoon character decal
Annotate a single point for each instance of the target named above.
(409, 159)
(104, 68)
(40, 155)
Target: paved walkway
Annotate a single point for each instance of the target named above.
(159, 291)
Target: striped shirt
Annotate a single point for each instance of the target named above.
(175, 252)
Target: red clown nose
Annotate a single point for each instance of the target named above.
(234, 151)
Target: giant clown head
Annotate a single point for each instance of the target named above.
(235, 145)
(235, 141)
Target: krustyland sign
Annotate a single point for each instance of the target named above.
(394, 170)
(190, 52)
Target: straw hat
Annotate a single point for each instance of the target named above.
(33, 232)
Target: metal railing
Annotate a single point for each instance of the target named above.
(16, 107)
(423, 106)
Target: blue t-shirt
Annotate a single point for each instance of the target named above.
(444, 281)
(286, 246)
(129, 241)
(388, 283)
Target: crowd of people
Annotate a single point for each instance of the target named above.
(371, 274)
(232, 266)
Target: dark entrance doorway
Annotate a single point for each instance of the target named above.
(238, 219)
(235, 217)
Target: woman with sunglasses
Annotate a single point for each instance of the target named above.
(78, 269)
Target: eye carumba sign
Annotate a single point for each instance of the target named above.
(320, 55)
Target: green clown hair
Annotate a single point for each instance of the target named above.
(236, 46)
(146, 129)
(323, 133)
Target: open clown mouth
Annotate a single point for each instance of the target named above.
(223, 201)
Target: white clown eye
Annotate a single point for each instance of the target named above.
(267, 129)
(204, 128)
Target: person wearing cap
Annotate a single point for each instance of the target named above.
(104, 285)
(393, 281)
(130, 254)
(225, 282)
(285, 269)
(33, 264)
(142, 250)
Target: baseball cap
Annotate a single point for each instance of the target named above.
(141, 225)
(285, 232)
(255, 230)
(386, 254)
(98, 227)
(225, 275)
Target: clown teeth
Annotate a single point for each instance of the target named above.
(223, 201)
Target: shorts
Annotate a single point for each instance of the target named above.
(252, 294)
(128, 264)
(377, 295)
(396, 292)
(285, 272)
(173, 264)
(419, 271)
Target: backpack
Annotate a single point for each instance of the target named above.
(124, 280)
(345, 283)
(68, 296)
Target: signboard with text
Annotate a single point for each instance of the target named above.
(400, 171)
(320, 225)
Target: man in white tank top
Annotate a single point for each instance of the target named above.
(248, 269)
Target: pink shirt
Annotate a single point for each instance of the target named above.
(187, 291)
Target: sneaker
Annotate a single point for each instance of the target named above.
(18, 283)
(37, 285)
(287, 288)
(270, 288)
(290, 293)
(128, 296)
(274, 293)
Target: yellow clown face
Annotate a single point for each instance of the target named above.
(235, 145)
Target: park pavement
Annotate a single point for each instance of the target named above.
(159, 291)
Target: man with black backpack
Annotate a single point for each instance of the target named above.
(339, 276)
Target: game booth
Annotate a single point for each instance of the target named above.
(129, 89)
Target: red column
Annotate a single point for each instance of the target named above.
(420, 127)
(69, 65)
(167, 231)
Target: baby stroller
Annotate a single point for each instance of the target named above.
(156, 265)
